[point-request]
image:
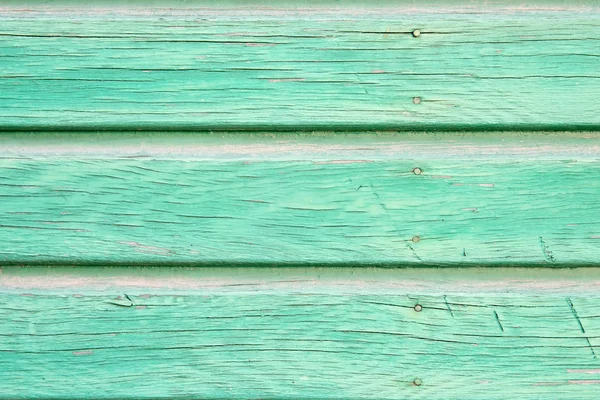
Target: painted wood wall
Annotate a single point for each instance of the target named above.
(299, 200)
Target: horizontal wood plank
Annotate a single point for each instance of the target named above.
(473, 5)
(411, 67)
(299, 334)
(292, 199)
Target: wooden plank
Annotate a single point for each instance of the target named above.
(253, 68)
(123, 333)
(477, 5)
(294, 199)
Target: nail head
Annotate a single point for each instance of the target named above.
(416, 33)
(418, 308)
(416, 239)
(416, 100)
(417, 171)
(417, 382)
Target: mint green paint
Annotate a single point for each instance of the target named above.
(274, 69)
(480, 5)
(300, 334)
(528, 200)
(290, 199)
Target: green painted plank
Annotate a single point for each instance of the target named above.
(299, 334)
(300, 69)
(291, 199)
(480, 5)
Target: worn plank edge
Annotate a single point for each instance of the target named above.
(57, 279)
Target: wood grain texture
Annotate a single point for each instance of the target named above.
(299, 334)
(355, 199)
(510, 66)
(468, 5)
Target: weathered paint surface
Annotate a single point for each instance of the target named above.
(299, 334)
(287, 199)
(260, 5)
(301, 68)
(348, 199)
